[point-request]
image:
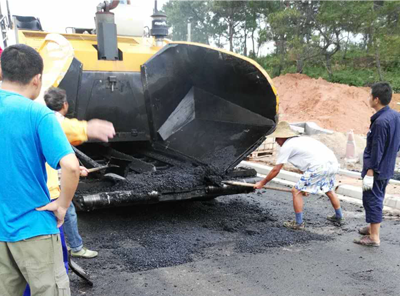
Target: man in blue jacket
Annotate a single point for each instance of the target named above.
(30, 248)
(383, 143)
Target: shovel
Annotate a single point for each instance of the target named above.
(79, 270)
(235, 183)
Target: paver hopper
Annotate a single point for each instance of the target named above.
(185, 114)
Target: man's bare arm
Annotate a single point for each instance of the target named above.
(69, 182)
(100, 130)
(272, 174)
(69, 179)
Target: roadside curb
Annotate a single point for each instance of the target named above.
(348, 193)
(358, 176)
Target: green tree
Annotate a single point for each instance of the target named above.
(300, 46)
(281, 30)
(228, 16)
(332, 22)
(179, 13)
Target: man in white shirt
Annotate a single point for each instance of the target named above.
(318, 164)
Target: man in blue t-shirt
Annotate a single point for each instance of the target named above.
(30, 248)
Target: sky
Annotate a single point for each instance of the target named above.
(56, 15)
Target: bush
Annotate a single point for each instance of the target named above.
(357, 68)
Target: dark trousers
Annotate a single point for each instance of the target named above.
(373, 201)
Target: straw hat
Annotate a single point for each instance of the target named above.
(283, 130)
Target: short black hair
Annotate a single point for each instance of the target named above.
(20, 63)
(55, 98)
(383, 91)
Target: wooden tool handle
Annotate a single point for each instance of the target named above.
(98, 169)
(252, 185)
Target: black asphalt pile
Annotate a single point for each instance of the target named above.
(174, 179)
(148, 237)
(274, 237)
(216, 240)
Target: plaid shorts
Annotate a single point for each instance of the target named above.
(321, 178)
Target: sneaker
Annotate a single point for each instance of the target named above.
(84, 253)
(293, 225)
(336, 220)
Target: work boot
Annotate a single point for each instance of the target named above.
(293, 225)
(84, 253)
(336, 220)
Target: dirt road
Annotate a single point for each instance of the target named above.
(235, 246)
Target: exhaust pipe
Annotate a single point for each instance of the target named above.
(128, 198)
(159, 28)
(106, 30)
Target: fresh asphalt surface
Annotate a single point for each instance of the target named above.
(235, 245)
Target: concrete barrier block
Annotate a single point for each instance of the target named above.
(390, 202)
(298, 129)
(299, 124)
(312, 128)
(264, 170)
(348, 190)
(290, 179)
(350, 174)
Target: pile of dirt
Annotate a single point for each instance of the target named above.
(395, 103)
(333, 106)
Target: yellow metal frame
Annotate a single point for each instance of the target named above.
(136, 51)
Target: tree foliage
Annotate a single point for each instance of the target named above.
(331, 35)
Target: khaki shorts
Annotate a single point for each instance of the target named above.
(37, 261)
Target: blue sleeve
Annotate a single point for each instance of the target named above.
(53, 140)
(379, 138)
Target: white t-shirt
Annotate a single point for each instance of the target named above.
(305, 153)
(59, 116)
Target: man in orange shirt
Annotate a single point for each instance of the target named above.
(77, 132)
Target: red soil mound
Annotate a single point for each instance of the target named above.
(333, 106)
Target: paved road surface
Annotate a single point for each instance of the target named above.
(235, 246)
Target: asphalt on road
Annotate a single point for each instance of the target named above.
(235, 245)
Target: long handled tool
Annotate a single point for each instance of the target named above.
(110, 176)
(79, 270)
(102, 168)
(235, 183)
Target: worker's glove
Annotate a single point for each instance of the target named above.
(368, 183)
